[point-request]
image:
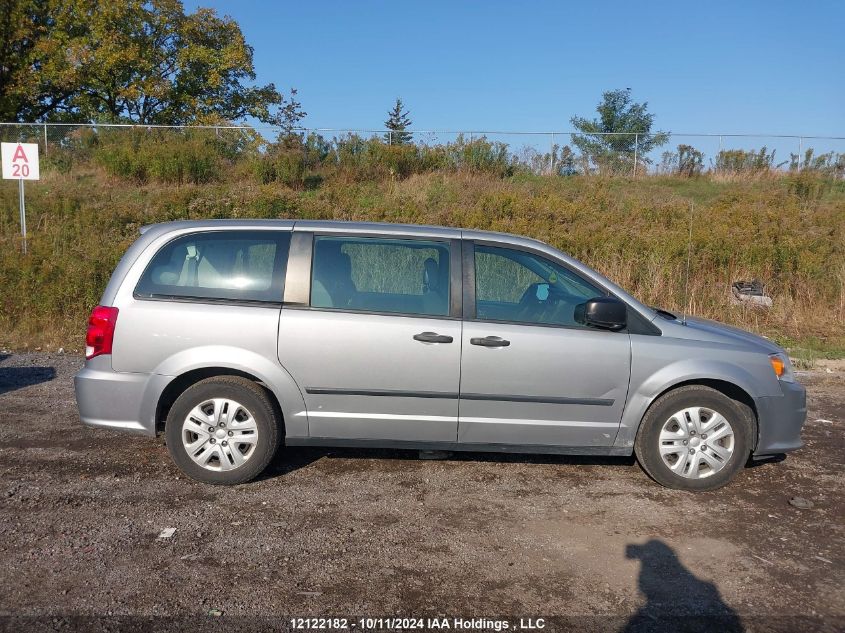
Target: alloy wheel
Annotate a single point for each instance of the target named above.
(696, 442)
(219, 434)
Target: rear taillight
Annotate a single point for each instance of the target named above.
(98, 339)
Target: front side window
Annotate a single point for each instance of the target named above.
(381, 275)
(223, 265)
(514, 285)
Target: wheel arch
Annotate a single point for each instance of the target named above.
(192, 365)
(690, 455)
(732, 381)
(179, 384)
(725, 387)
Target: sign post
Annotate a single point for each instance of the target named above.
(20, 162)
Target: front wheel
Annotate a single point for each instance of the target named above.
(694, 438)
(222, 430)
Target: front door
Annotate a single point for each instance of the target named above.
(531, 374)
(376, 354)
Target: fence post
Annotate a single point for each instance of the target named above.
(390, 137)
(636, 151)
(552, 157)
(45, 140)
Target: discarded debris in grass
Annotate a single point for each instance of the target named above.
(167, 532)
(801, 503)
(750, 293)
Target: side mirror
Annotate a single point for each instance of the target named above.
(607, 313)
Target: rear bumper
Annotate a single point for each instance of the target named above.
(114, 400)
(781, 419)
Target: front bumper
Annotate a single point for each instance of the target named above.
(780, 419)
(115, 400)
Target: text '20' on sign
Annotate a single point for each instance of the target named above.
(20, 161)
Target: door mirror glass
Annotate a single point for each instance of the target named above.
(607, 313)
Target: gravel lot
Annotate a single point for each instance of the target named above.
(582, 542)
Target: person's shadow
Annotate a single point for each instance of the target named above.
(675, 599)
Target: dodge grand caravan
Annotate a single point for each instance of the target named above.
(231, 337)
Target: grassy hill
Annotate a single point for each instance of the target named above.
(786, 230)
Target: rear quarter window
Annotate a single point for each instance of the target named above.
(219, 265)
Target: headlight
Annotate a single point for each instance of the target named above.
(782, 367)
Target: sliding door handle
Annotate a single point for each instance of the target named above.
(489, 341)
(432, 337)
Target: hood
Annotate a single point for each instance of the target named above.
(707, 330)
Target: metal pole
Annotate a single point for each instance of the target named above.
(552, 157)
(800, 144)
(45, 139)
(636, 150)
(719, 155)
(23, 213)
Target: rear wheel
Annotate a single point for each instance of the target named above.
(694, 438)
(222, 430)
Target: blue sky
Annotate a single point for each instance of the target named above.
(740, 66)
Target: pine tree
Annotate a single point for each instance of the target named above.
(623, 128)
(397, 122)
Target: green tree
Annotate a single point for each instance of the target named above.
(143, 61)
(398, 122)
(288, 118)
(630, 123)
(690, 161)
(37, 76)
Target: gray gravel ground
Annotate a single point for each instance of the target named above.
(586, 543)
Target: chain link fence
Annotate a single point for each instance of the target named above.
(560, 153)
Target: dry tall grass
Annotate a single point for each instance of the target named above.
(786, 232)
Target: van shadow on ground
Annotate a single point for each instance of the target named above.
(292, 458)
(676, 600)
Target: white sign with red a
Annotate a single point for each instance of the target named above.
(20, 161)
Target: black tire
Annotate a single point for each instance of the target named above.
(647, 445)
(246, 392)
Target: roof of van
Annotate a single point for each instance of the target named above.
(335, 225)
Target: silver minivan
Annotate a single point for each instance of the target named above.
(232, 337)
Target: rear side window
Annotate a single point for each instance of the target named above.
(225, 265)
(381, 275)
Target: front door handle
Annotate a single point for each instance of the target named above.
(490, 341)
(432, 337)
